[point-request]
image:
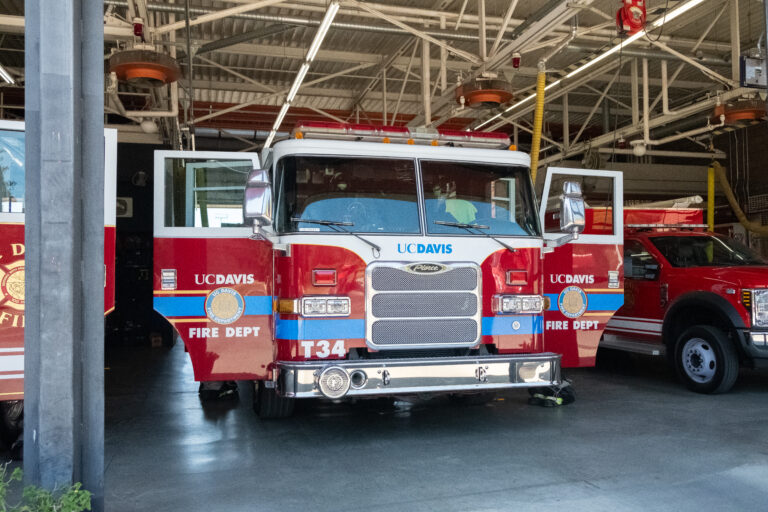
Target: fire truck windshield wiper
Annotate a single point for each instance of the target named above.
(478, 227)
(338, 226)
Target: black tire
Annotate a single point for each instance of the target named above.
(11, 421)
(706, 360)
(268, 404)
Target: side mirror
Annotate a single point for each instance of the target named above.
(572, 209)
(257, 205)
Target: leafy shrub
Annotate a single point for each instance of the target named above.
(37, 499)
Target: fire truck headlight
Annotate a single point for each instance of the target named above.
(325, 306)
(517, 304)
(338, 306)
(760, 308)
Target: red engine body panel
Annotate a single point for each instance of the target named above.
(12, 320)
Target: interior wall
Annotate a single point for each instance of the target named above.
(133, 320)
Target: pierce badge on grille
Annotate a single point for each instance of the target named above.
(425, 268)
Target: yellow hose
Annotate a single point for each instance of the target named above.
(749, 226)
(538, 121)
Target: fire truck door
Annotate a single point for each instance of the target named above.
(212, 282)
(582, 278)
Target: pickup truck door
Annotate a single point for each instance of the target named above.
(212, 282)
(640, 318)
(583, 278)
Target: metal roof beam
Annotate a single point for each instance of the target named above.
(217, 15)
(418, 33)
(280, 92)
(226, 42)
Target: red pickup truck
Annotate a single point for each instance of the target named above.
(695, 296)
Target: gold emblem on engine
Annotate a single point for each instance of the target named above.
(12, 285)
(572, 302)
(224, 305)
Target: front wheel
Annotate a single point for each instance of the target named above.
(706, 360)
(268, 404)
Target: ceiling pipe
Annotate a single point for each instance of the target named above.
(650, 54)
(640, 147)
(706, 155)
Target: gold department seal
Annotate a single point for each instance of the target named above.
(224, 305)
(12, 285)
(572, 302)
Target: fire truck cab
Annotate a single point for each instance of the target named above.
(696, 296)
(376, 261)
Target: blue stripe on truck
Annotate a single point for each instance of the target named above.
(195, 306)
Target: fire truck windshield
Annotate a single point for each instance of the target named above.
(375, 195)
(704, 251)
(379, 195)
(497, 197)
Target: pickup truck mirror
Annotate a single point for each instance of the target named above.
(651, 271)
(257, 205)
(572, 218)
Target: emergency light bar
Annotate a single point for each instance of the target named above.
(401, 134)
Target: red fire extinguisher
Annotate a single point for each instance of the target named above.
(630, 19)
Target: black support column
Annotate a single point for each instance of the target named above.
(64, 336)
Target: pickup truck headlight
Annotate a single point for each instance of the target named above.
(760, 308)
(325, 306)
(518, 304)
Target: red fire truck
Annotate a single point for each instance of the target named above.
(12, 261)
(379, 261)
(698, 297)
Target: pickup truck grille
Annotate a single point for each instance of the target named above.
(408, 309)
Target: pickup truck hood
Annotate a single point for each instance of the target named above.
(754, 276)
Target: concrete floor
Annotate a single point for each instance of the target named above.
(633, 440)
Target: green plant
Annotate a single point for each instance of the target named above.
(37, 499)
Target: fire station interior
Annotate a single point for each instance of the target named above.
(668, 95)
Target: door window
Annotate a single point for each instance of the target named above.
(205, 193)
(11, 171)
(638, 261)
(597, 192)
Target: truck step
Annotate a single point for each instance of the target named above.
(627, 345)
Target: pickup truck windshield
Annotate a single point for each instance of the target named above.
(704, 251)
(375, 195)
(497, 197)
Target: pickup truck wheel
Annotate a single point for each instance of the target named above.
(706, 360)
(268, 404)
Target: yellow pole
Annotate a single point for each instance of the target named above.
(711, 198)
(538, 121)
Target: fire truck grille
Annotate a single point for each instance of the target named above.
(422, 332)
(390, 279)
(413, 305)
(407, 309)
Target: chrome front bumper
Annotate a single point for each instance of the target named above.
(429, 375)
